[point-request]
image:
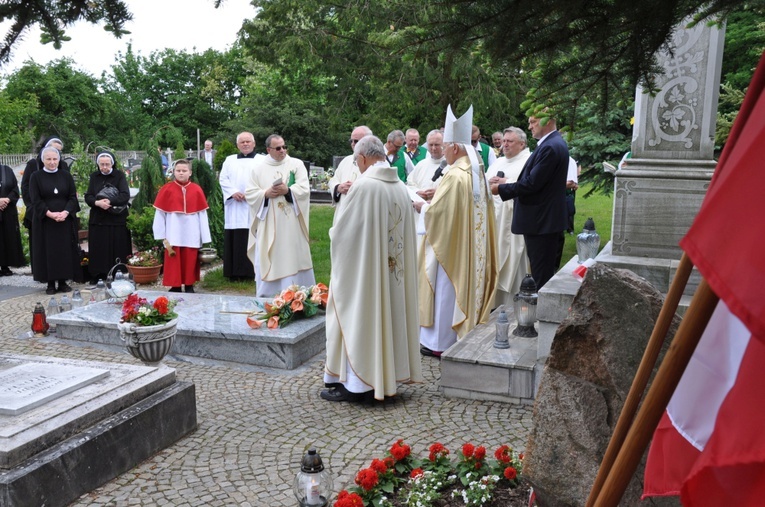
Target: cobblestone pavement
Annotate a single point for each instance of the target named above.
(255, 424)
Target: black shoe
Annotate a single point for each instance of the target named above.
(50, 290)
(340, 393)
(64, 287)
(175, 289)
(425, 351)
(189, 289)
(6, 272)
(332, 384)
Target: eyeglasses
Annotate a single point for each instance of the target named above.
(279, 148)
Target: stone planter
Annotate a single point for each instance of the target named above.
(143, 274)
(150, 344)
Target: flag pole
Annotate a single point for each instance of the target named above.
(671, 370)
(643, 374)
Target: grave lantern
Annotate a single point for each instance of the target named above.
(587, 242)
(525, 306)
(40, 325)
(313, 484)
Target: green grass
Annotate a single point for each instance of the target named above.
(600, 208)
(597, 206)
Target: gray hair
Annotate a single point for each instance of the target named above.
(367, 131)
(396, 134)
(519, 133)
(434, 132)
(271, 138)
(371, 147)
(242, 133)
(50, 148)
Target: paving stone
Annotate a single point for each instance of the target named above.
(255, 424)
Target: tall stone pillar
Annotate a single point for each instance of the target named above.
(659, 191)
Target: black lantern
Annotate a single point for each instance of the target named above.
(525, 306)
(313, 484)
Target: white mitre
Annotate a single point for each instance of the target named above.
(458, 131)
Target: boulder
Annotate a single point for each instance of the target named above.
(595, 354)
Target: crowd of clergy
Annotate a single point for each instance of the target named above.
(422, 244)
(427, 239)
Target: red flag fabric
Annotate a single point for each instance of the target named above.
(710, 445)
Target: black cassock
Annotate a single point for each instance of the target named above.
(11, 252)
(55, 254)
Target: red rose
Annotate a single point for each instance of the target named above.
(480, 452)
(467, 450)
(367, 479)
(389, 462)
(520, 456)
(510, 473)
(416, 473)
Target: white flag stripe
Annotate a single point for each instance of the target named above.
(709, 377)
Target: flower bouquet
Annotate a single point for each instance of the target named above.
(142, 312)
(293, 302)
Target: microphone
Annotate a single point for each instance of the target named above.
(500, 174)
(440, 171)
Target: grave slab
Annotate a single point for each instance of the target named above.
(26, 386)
(53, 453)
(209, 327)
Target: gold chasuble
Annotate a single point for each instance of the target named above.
(460, 236)
(372, 324)
(279, 227)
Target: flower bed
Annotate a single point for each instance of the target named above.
(400, 480)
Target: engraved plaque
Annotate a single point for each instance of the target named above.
(30, 385)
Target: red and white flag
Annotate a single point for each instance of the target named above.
(709, 447)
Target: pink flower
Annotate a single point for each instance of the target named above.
(273, 322)
(254, 323)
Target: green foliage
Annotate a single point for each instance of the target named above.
(730, 102)
(140, 221)
(203, 175)
(52, 16)
(150, 178)
(70, 103)
(16, 135)
(180, 152)
(81, 168)
(321, 220)
(225, 149)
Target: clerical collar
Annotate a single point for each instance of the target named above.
(49, 171)
(106, 174)
(249, 155)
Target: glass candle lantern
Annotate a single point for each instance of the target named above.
(525, 306)
(587, 242)
(313, 484)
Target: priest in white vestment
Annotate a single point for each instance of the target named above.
(280, 195)
(372, 323)
(347, 172)
(234, 177)
(513, 263)
(426, 176)
(458, 260)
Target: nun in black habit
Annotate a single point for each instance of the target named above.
(11, 252)
(108, 236)
(55, 254)
(32, 167)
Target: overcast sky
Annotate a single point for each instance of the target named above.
(156, 25)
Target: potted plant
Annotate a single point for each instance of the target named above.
(148, 328)
(145, 265)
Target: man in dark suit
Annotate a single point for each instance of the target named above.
(540, 199)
